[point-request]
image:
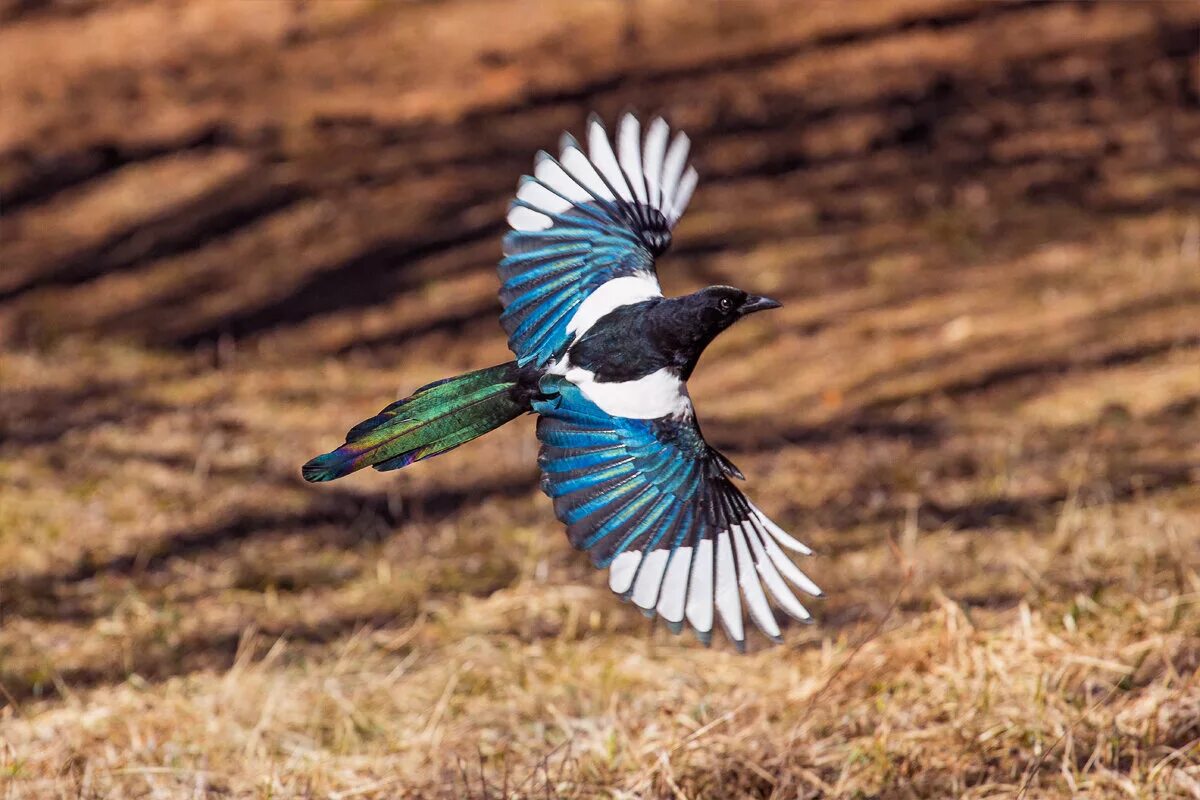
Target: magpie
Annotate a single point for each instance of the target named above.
(603, 359)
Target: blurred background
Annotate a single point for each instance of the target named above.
(230, 230)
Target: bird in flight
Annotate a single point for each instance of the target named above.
(603, 359)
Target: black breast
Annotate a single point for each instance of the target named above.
(620, 346)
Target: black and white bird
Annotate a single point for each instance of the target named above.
(603, 358)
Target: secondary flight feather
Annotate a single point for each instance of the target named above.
(603, 359)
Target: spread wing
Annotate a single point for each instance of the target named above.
(581, 221)
(652, 502)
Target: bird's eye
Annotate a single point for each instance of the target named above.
(726, 304)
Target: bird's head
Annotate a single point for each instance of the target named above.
(700, 316)
(721, 306)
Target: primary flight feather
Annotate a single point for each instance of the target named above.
(603, 359)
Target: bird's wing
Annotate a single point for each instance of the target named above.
(583, 220)
(652, 502)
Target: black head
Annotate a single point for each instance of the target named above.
(721, 306)
(700, 316)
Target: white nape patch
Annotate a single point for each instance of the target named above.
(700, 588)
(785, 538)
(629, 150)
(601, 153)
(612, 294)
(659, 394)
(683, 195)
(542, 198)
(622, 570)
(770, 576)
(521, 218)
(729, 606)
(649, 579)
(652, 159)
(756, 599)
(675, 585)
(676, 158)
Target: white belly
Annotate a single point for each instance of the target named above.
(659, 394)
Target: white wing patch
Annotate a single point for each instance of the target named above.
(683, 195)
(551, 173)
(711, 580)
(629, 136)
(635, 171)
(541, 196)
(579, 167)
(744, 565)
(672, 169)
(623, 569)
(785, 538)
(729, 606)
(674, 587)
(602, 156)
(649, 579)
(700, 589)
(752, 590)
(652, 159)
(521, 218)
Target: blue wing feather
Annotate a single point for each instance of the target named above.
(648, 499)
(642, 486)
(571, 235)
(643, 533)
(625, 486)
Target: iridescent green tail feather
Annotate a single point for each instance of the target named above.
(437, 418)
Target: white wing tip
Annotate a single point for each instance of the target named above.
(649, 579)
(780, 535)
(645, 179)
(567, 141)
(726, 597)
(749, 568)
(699, 606)
(622, 571)
(521, 218)
(673, 596)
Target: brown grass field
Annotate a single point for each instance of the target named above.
(233, 228)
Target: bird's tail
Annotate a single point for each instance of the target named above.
(437, 418)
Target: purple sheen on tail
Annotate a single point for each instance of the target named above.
(404, 459)
(333, 465)
(438, 417)
(352, 457)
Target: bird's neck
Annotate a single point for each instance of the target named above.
(676, 331)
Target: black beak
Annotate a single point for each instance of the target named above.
(756, 303)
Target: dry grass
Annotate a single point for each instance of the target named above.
(981, 403)
(1013, 576)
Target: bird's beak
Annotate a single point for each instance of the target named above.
(757, 303)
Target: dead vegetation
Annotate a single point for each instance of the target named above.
(232, 229)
